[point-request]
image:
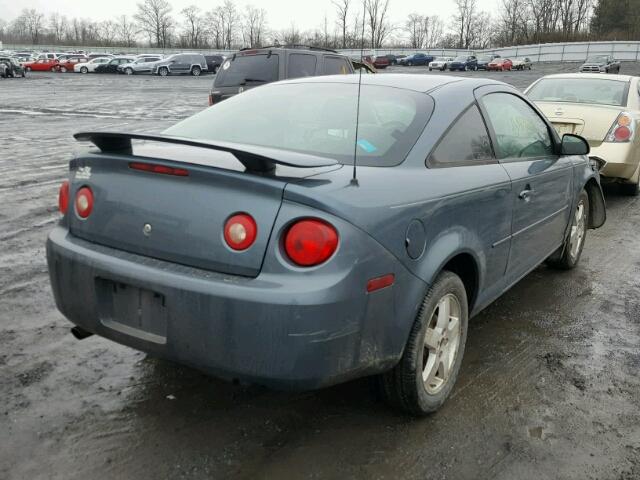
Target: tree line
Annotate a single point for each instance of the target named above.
(354, 24)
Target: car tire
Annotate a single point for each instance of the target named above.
(442, 338)
(196, 71)
(128, 71)
(84, 70)
(630, 189)
(568, 255)
(410, 64)
(163, 71)
(63, 69)
(54, 69)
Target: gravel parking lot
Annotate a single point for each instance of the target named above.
(549, 387)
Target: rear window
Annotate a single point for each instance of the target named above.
(322, 122)
(580, 90)
(247, 70)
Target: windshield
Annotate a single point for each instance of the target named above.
(580, 90)
(597, 59)
(324, 124)
(248, 69)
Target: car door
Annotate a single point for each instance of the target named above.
(181, 64)
(479, 200)
(541, 180)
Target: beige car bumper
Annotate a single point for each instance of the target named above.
(622, 159)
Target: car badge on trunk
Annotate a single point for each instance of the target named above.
(83, 173)
(559, 112)
(146, 230)
(240, 90)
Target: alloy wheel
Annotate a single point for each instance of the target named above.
(441, 343)
(578, 229)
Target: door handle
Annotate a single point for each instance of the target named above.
(526, 193)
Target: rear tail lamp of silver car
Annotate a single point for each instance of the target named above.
(622, 129)
(310, 241)
(84, 202)
(240, 231)
(63, 197)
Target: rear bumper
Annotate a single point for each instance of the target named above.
(622, 159)
(275, 330)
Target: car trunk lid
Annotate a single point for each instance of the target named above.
(177, 218)
(590, 121)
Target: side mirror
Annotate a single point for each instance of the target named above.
(574, 145)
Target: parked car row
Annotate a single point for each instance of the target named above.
(180, 63)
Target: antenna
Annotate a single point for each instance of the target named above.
(354, 179)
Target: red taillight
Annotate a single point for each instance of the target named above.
(310, 242)
(240, 231)
(84, 202)
(622, 129)
(63, 197)
(163, 169)
(622, 134)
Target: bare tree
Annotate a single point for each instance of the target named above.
(342, 12)
(230, 23)
(126, 31)
(379, 27)
(154, 19)
(463, 21)
(57, 26)
(33, 23)
(194, 26)
(254, 26)
(415, 31)
(108, 32)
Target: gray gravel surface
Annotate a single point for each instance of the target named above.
(549, 387)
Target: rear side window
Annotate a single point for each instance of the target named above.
(248, 70)
(519, 130)
(301, 65)
(465, 143)
(335, 66)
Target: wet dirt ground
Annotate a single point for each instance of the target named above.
(549, 387)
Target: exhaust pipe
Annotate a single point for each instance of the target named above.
(80, 333)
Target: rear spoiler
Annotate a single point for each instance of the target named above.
(254, 158)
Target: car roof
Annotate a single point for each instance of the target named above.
(601, 76)
(407, 81)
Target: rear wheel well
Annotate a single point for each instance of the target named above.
(464, 266)
(597, 212)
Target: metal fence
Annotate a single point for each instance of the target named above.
(545, 52)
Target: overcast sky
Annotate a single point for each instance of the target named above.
(306, 14)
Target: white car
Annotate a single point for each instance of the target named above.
(440, 63)
(91, 65)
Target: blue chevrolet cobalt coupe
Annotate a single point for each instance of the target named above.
(288, 237)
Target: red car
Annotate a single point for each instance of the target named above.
(500, 64)
(42, 65)
(378, 62)
(67, 64)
